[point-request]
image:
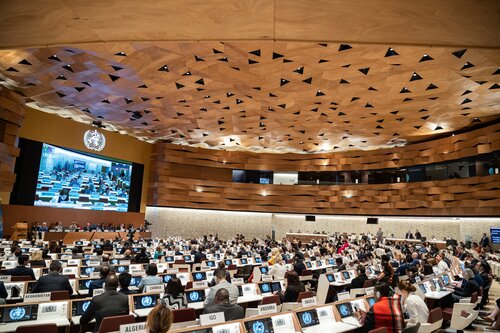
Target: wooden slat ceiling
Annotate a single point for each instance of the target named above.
(263, 96)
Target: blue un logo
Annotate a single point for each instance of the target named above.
(199, 276)
(344, 311)
(258, 327)
(146, 301)
(265, 288)
(85, 306)
(194, 297)
(306, 318)
(17, 313)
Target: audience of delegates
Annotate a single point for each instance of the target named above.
(386, 312)
(222, 304)
(396, 258)
(413, 305)
(151, 277)
(159, 319)
(54, 281)
(108, 304)
(3, 293)
(21, 269)
(359, 281)
(220, 277)
(293, 288)
(124, 280)
(174, 296)
(97, 284)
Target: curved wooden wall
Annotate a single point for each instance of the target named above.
(200, 178)
(481, 141)
(12, 112)
(453, 197)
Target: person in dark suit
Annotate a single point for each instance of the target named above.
(53, 281)
(340, 264)
(418, 235)
(199, 255)
(97, 284)
(222, 304)
(21, 269)
(485, 241)
(3, 293)
(359, 281)
(124, 280)
(409, 235)
(108, 304)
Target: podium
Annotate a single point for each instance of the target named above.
(20, 231)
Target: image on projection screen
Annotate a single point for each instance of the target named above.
(67, 179)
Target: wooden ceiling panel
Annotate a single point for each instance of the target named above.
(263, 96)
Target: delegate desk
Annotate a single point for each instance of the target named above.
(69, 237)
(304, 238)
(439, 244)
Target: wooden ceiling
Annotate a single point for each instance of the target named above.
(353, 81)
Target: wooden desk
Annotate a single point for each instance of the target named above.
(305, 238)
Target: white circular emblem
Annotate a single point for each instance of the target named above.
(94, 140)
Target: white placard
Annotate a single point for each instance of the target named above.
(369, 291)
(329, 270)
(151, 288)
(98, 291)
(205, 268)
(6, 278)
(37, 297)
(325, 312)
(311, 301)
(283, 322)
(417, 279)
(212, 318)
(237, 281)
(249, 289)
(228, 328)
(267, 309)
(95, 275)
(133, 328)
(343, 296)
(124, 262)
(94, 263)
(74, 262)
(200, 284)
(267, 278)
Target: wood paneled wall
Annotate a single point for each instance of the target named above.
(481, 141)
(182, 177)
(12, 112)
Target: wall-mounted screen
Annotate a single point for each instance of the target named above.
(495, 235)
(68, 179)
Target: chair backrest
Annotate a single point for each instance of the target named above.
(112, 324)
(45, 328)
(368, 283)
(180, 261)
(275, 299)
(20, 278)
(435, 315)
(306, 272)
(181, 315)
(474, 297)
(59, 295)
(378, 330)
(189, 284)
(412, 329)
(304, 294)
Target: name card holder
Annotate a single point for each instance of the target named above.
(343, 296)
(311, 301)
(237, 281)
(283, 323)
(97, 292)
(200, 284)
(267, 278)
(6, 278)
(267, 309)
(95, 275)
(228, 328)
(212, 318)
(133, 328)
(37, 297)
(154, 288)
(369, 291)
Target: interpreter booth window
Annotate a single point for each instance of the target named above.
(253, 176)
(285, 178)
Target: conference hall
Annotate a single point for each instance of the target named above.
(249, 166)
